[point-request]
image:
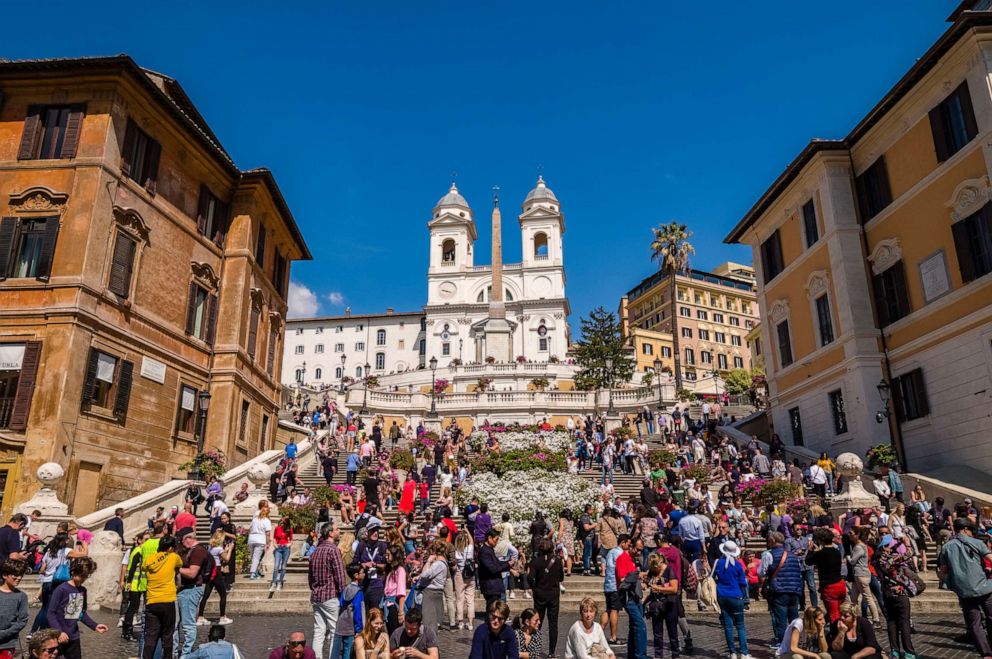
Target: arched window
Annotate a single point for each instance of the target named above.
(338, 373)
(448, 251)
(358, 372)
(299, 375)
(485, 296)
(380, 360)
(318, 374)
(380, 337)
(541, 245)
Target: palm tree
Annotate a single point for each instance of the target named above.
(671, 248)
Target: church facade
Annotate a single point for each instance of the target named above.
(464, 318)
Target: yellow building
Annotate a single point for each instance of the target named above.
(874, 258)
(715, 311)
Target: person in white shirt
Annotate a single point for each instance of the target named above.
(586, 637)
(706, 412)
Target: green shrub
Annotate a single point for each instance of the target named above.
(303, 518)
(519, 460)
(402, 459)
(325, 494)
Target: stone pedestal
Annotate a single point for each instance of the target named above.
(854, 496)
(101, 587)
(47, 502)
(259, 475)
(612, 422)
(433, 424)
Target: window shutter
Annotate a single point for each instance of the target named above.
(899, 397)
(191, 309)
(32, 133)
(201, 209)
(221, 222)
(48, 248)
(260, 247)
(153, 155)
(253, 331)
(211, 319)
(123, 398)
(967, 110)
(89, 384)
(881, 305)
(8, 227)
(962, 245)
(882, 183)
(272, 352)
(901, 292)
(922, 404)
(941, 140)
(25, 386)
(127, 150)
(121, 266)
(73, 128)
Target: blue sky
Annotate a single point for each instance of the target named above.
(637, 113)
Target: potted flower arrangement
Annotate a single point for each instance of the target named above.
(685, 395)
(540, 383)
(440, 384)
(372, 382)
(880, 454)
(402, 462)
(209, 463)
(490, 359)
(552, 359)
(521, 359)
(698, 472)
(483, 384)
(456, 362)
(659, 458)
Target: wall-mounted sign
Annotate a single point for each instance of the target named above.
(933, 276)
(11, 356)
(153, 370)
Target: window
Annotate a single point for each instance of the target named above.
(319, 330)
(796, 423)
(706, 356)
(714, 302)
(243, 432)
(358, 372)
(666, 351)
(27, 246)
(647, 349)
(687, 332)
(270, 364)
(690, 356)
(749, 324)
(704, 335)
(318, 373)
(186, 415)
(542, 344)
(360, 346)
(540, 246)
(280, 272)
(422, 348)
(107, 383)
(448, 251)
(339, 329)
(299, 331)
(746, 307)
(720, 337)
(873, 189)
(319, 349)
(17, 385)
(909, 393)
(380, 337)
(338, 347)
(757, 346)
(973, 244)
(729, 304)
(51, 132)
(299, 375)
(718, 318)
(738, 362)
(825, 323)
(445, 349)
(697, 298)
(260, 248)
(771, 257)
(338, 373)
(721, 361)
(380, 360)
(702, 314)
(838, 412)
(809, 223)
(735, 321)
(735, 340)
(891, 294)
(298, 350)
(140, 156)
(121, 265)
(211, 217)
(401, 344)
(201, 313)
(360, 327)
(684, 311)
(784, 343)
(262, 436)
(953, 123)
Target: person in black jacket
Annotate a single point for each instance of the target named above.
(491, 569)
(546, 574)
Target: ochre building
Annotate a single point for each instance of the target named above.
(874, 263)
(139, 267)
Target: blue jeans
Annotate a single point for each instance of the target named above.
(692, 549)
(189, 606)
(650, 426)
(607, 475)
(784, 608)
(732, 616)
(637, 631)
(341, 647)
(587, 552)
(811, 585)
(281, 556)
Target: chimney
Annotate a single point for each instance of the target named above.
(347, 312)
(389, 311)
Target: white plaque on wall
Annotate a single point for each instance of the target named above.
(933, 276)
(153, 370)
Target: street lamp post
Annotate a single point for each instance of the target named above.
(610, 411)
(344, 358)
(204, 401)
(433, 413)
(716, 381)
(657, 374)
(365, 395)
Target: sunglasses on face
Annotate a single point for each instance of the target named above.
(296, 644)
(50, 652)
(496, 618)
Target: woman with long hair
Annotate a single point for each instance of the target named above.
(216, 581)
(54, 572)
(464, 580)
(566, 539)
(284, 540)
(431, 584)
(395, 588)
(528, 628)
(373, 642)
(230, 536)
(259, 537)
(806, 636)
(661, 604)
(407, 503)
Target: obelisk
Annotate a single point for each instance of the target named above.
(498, 333)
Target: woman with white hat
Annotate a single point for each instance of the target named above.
(732, 596)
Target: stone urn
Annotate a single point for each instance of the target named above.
(259, 474)
(854, 496)
(47, 501)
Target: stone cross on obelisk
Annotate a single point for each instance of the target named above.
(497, 332)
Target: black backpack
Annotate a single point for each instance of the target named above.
(468, 571)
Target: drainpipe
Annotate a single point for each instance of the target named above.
(895, 427)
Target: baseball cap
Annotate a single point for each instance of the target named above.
(183, 532)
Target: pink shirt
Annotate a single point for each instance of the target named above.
(396, 583)
(366, 450)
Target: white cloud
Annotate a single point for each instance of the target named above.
(302, 301)
(336, 298)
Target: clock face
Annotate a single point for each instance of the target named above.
(447, 289)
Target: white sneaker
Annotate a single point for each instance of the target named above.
(513, 595)
(562, 587)
(201, 621)
(745, 656)
(272, 587)
(224, 621)
(279, 587)
(120, 621)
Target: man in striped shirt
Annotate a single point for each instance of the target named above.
(327, 580)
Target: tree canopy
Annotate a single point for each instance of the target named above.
(602, 339)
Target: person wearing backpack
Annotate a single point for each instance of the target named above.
(464, 580)
(133, 584)
(221, 552)
(350, 620)
(198, 566)
(54, 572)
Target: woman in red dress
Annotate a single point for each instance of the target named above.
(407, 498)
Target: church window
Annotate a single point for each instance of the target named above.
(541, 246)
(445, 349)
(360, 346)
(299, 375)
(319, 348)
(485, 296)
(358, 372)
(448, 251)
(298, 350)
(338, 373)
(380, 360)
(380, 337)
(318, 374)
(542, 344)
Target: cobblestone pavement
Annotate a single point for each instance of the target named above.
(257, 635)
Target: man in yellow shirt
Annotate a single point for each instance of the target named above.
(160, 599)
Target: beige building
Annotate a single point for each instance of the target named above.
(139, 270)
(714, 311)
